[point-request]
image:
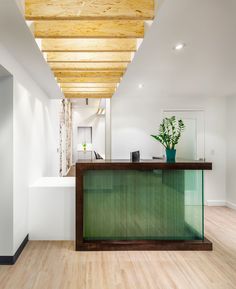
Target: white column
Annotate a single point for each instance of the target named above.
(108, 130)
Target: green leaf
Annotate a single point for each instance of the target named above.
(170, 131)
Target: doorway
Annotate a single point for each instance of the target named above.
(192, 142)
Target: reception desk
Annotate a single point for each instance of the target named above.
(149, 205)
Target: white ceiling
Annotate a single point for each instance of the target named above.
(18, 40)
(207, 66)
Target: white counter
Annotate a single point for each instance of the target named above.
(52, 209)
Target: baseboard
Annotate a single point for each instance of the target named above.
(216, 203)
(231, 205)
(220, 203)
(11, 260)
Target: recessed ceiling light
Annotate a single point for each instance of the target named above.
(140, 85)
(179, 46)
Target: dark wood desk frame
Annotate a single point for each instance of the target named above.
(83, 245)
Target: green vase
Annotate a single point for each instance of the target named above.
(170, 155)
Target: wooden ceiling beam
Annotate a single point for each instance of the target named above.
(89, 56)
(87, 74)
(87, 95)
(91, 66)
(89, 29)
(88, 79)
(80, 9)
(89, 89)
(89, 45)
(88, 85)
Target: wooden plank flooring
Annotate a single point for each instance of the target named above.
(71, 172)
(55, 265)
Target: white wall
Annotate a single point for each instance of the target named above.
(30, 147)
(231, 152)
(108, 129)
(6, 166)
(199, 77)
(20, 43)
(30, 141)
(87, 116)
(54, 137)
(132, 128)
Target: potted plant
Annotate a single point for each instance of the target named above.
(84, 145)
(170, 131)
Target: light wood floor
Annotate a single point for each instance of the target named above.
(71, 172)
(55, 265)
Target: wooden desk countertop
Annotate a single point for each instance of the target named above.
(180, 164)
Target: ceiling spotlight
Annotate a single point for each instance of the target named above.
(179, 46)
(140, 85)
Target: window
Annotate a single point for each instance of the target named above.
(84, 134)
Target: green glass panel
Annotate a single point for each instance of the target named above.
(143, 205)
